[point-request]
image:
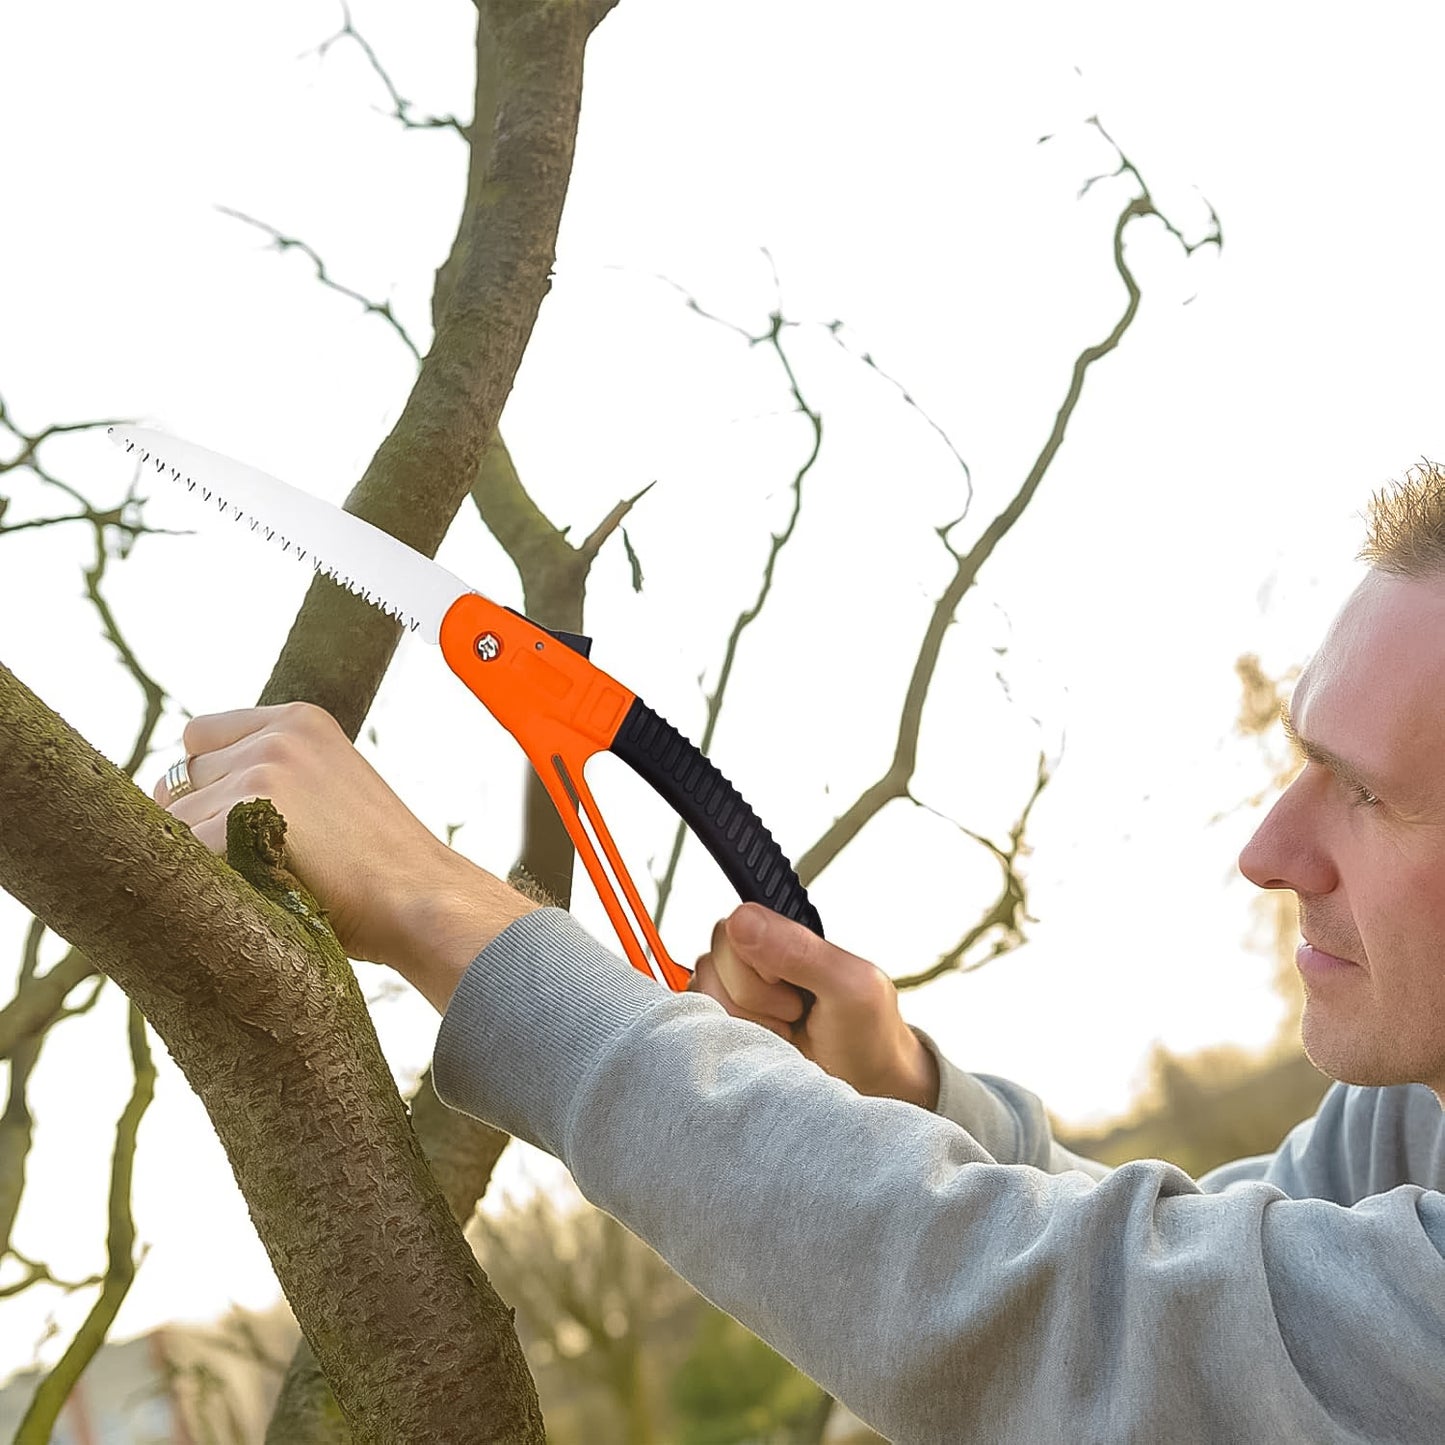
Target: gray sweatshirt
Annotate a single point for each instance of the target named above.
(958, 1276)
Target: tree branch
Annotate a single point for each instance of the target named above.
(284, 243)
(262, 1013)
(484, 304)
(39, 1004)
(893, 783)
(55, 1388)
(401, 108)
(554, 580)
(1005, 919)
(16, 1124)
(31, 442)
(501, 265)
(772, 337)
(40, 1000)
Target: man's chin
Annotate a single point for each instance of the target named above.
(1345, 1059)
(1326, 1047)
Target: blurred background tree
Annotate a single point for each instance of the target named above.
(1208, 1108)
(624, 1351)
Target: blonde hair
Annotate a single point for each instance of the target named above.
(1406, 524)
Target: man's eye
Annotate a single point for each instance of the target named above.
(1362, 797)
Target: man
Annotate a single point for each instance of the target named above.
(914, 1238)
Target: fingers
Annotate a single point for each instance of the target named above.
(213, 731)
(200, 769)
(840, 992)
(216, 743)
(782, 951)
(706, 980)
(222, 785)
(205, 811)
(748, 986)
(763, 966)
(232, 757)
(211, 832)
(369, 861)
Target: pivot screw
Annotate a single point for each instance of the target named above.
(489, 647)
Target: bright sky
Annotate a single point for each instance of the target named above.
(1204, 504)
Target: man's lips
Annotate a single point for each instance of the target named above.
(1314, 962)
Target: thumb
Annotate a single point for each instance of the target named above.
(781, 950)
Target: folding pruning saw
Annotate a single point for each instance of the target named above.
(539, 684)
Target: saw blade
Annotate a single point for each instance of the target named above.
(373, 564)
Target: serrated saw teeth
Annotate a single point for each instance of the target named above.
(357, 590)
(209, 476)
(411, 624)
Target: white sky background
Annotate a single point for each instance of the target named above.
(1204, 503)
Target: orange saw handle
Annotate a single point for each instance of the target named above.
(563, 710)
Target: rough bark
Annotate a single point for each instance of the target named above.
(461, 1153)
(261, 1011)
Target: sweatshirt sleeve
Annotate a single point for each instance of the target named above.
(1008, 1121)
(941, 1295)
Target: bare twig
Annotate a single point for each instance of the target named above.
(16, 1124)
(835, 330)
(285, 243)
(39, 1421)
(1002, 925)
(153, 695)
(772, 338)
(31, 442)
(401, 108)
(123, 520)
(39, 1001)
(1213, 236)
(894, 782)
(37, 1273)
(40, 998)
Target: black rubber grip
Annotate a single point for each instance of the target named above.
(715, 811)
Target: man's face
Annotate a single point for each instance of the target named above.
(1360, 837)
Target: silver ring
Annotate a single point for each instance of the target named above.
(178, 779)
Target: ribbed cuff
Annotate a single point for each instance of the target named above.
(974, 1103)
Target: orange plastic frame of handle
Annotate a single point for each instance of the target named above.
(563, 710)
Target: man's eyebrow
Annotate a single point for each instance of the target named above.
(1345, 771)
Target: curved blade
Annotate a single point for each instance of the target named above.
(369, 562)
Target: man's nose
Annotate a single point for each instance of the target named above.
(1288, 849)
